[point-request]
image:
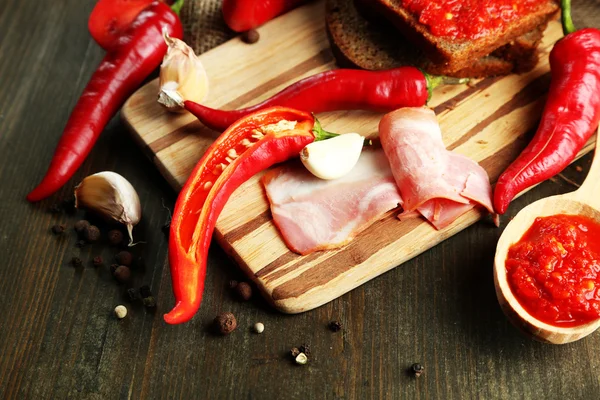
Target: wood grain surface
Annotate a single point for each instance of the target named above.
(488, 121)
(58, 338)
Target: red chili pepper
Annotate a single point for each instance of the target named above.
(139, 52)
(249, 146)
(110, 18)
(242, 15)
(341, 89)
(570, 117)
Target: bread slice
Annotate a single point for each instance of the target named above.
(358, 43)
(456, 53)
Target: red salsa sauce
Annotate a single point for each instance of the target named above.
(554, 270)
(468, 19)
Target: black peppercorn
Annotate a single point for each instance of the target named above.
(92, 234)
(76, 262)
(124, 258)
(225, 323)
(132, 294)
(417, 369)
(81, 226)
(97, 261)
(122, 273)
(145, 291)
(305, 349)
(243, 291)
(335, 326)
(251, 36)
(115, 237)
(58, 229)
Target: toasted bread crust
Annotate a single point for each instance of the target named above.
(457, 54)
(358, 43)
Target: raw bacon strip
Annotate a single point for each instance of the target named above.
(314, 214)
(439, 184)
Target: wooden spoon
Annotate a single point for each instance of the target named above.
(584, 201)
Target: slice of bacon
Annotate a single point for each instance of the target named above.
(439, 184)
(314, 214)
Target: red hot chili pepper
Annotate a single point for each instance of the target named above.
(242, 15)
(570, 117)
(138, 52)
(249, 146)
(341, 89)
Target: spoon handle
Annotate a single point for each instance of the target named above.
(589, 192)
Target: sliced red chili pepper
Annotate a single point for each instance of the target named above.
(570, 117)
(341, 89)
(138, 53)
(249, 146)
(242, 15)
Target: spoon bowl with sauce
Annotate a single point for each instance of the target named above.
(584, 202)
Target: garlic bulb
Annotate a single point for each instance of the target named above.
(182, 76)
(332, 158)
(112, 196)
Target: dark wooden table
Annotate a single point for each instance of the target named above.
(60, 339)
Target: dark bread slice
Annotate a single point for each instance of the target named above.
(358, 43)
(456, 54)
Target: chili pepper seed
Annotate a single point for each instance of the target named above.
(259, 327)
(301, 359)
(120, 312)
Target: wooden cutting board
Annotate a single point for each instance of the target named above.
(490, 121)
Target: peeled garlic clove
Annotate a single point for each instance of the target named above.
(182, 76)
(332, 158)
(111, 196)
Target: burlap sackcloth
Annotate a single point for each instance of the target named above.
(203, 24)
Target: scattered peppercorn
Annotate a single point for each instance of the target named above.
(122, 273)
(232, 284)
(92, 234)
(305, 349)
(76, 262)
(335, 326)
(120, 312)
(124, 258)
(81, 226)
(243, 291)
(132, 294)
(417, 369)
(301, 359)
(259, 327)
(97, 261)
(294, 352)
(115, 237)
(225, 323)
(149, 302)
(145, 291)
(80, 243)
(58, 229)
(251, 36)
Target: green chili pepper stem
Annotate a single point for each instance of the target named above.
(434, 81)
(322, 134)
(176, 7)
(567, 20)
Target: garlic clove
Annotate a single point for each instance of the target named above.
(182, 76)
(111, 196)
(332, 158)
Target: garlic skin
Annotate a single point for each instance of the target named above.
(332, 158)
(182, 76)
(111, 196)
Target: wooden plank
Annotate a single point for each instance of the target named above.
(488, 121)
